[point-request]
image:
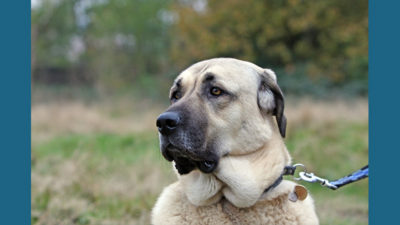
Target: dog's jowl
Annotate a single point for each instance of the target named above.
(224, 134)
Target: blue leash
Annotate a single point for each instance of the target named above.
(358, 175)
(312, 178)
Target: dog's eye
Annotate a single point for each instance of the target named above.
(176, 95)
(215, 91)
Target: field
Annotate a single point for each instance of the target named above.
(98, 162)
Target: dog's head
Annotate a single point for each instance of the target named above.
(218, 107)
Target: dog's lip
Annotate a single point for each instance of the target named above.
(171, 153)
(207, 166)
(181, 152)
(178, 152)
(167, 155)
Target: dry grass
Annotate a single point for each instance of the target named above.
(309, 111)
(78, 194)
(54, 119)
(58, 118)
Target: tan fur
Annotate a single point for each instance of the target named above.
(253, 157)
(173, 207)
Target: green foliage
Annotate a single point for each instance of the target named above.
(113, 44)
(127, 39)
(105, 43)
(53, 26)
(294, 81)
(329, 37)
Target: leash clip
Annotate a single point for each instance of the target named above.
(304, 175)
(312, 178)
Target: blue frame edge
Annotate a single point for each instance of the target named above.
(15, 116)
(384, 110)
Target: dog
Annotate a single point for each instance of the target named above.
(224, 134)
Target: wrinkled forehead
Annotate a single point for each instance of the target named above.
(229, 72)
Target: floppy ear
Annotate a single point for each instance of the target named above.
(271, 100)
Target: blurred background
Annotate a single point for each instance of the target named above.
(101, 71)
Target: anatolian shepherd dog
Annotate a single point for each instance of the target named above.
(224, 133)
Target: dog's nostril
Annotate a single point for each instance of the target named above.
(167, 122)
(171, 123)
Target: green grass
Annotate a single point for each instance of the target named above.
(108, 178)
(333, 150)
(128, 148)
(95, 161)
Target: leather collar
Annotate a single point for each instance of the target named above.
(288, 170)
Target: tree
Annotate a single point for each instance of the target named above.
(53, 25)
(126, 39)
(329, 37)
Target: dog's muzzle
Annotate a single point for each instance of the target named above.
(169, 124)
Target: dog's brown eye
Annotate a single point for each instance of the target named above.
(176, 95)
(216, 91)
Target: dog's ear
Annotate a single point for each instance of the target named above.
(271, 100)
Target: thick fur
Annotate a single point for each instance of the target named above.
(173, 207)
(238, 131)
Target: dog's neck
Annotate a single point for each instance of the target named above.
(246, 175)
(272, 157)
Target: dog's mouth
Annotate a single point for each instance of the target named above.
(186, 161)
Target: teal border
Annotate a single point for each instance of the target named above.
(384, 111)
(15, 124)
(384, 87)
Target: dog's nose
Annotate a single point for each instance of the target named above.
(167, 122)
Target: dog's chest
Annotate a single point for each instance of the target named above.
(276, 211)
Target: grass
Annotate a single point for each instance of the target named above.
(333, 151)
(92, 178)
(112, 174)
